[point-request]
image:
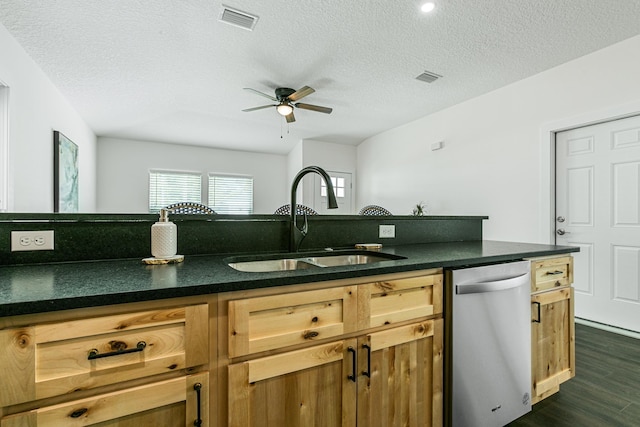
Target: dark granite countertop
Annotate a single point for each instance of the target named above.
(60, 286)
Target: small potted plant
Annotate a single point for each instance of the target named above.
(419, 209)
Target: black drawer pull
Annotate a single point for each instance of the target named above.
(94, 354)
(554, 273)
(352, 377)
(78, 413)
(538, 319)
(197, 387)
(367, 373)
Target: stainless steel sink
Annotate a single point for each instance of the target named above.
(311, 261)
(261, 266)
(338, 260)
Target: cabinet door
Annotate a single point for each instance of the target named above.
(401, 376)
(54, 359)
(552, 341)
(168, 403)
(311, 387)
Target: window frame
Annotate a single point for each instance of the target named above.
(152, 171)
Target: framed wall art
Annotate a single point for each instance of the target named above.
(65, 174)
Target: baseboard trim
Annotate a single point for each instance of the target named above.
(608, 328)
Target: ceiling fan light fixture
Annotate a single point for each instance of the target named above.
(284, 109)
(428, 7)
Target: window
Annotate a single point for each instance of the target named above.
(338, 187)
(231, 194)
(167, 187)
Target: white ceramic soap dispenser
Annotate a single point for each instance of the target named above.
(164, 237)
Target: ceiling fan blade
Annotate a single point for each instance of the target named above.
(300, 93)
(290, 118)
(317, 108)
(261, 94)
(258, 108)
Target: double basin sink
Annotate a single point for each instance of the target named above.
(308, 261)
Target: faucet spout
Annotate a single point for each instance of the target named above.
(298, 234)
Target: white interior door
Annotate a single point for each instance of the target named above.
(341, 182)
(4, 147)
(598, 209)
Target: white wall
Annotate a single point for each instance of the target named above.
(330, 157)
(36, 109)
(123, 172)
(493, 161)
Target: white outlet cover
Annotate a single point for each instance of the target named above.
(37, 240)
(387, 231)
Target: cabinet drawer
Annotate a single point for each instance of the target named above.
(58, 358)
(392, 301)
(271, 322)
(551, 273)
(162, 404)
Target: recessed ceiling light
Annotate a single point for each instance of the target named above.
(428, 7)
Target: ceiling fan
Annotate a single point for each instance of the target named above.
(286, 99)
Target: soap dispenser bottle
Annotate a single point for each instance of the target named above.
(164, 237)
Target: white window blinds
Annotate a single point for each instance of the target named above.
(167, 187)
(231, 194)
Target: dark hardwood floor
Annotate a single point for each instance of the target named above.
(605, 390)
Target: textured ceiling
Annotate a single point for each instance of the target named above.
(170, 71)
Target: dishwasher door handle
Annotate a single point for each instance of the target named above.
(493, 286)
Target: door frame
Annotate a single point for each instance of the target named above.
(4, 147)
(547, 193)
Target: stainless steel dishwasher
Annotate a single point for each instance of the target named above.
(489, 344)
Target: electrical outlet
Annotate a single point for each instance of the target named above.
(387, 231)
(32, 240)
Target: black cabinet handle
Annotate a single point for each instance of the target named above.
(367, 373)
(197, 387)
(352, 377)
(94, 354)
(538, 319)
(554, 273)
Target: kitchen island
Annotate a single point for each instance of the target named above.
(215, 341)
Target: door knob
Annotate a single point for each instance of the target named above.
(561, 232)
(560, 219)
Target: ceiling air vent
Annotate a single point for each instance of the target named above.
(238, 18)
(428, 77)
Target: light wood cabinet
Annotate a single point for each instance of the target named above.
(265, 323)
(170, 403)
(368, 354)
(401, 376)
(127, 367)
(551, 273)
(552, 326)
(307, 387)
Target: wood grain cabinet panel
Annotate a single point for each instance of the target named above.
(401, 381)
(54, 359)
(302, 388)
(552, 325)
(551, 273)
(552, 341)
(271, 322)
(384, 367)
(167, 403)
(388, 302)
